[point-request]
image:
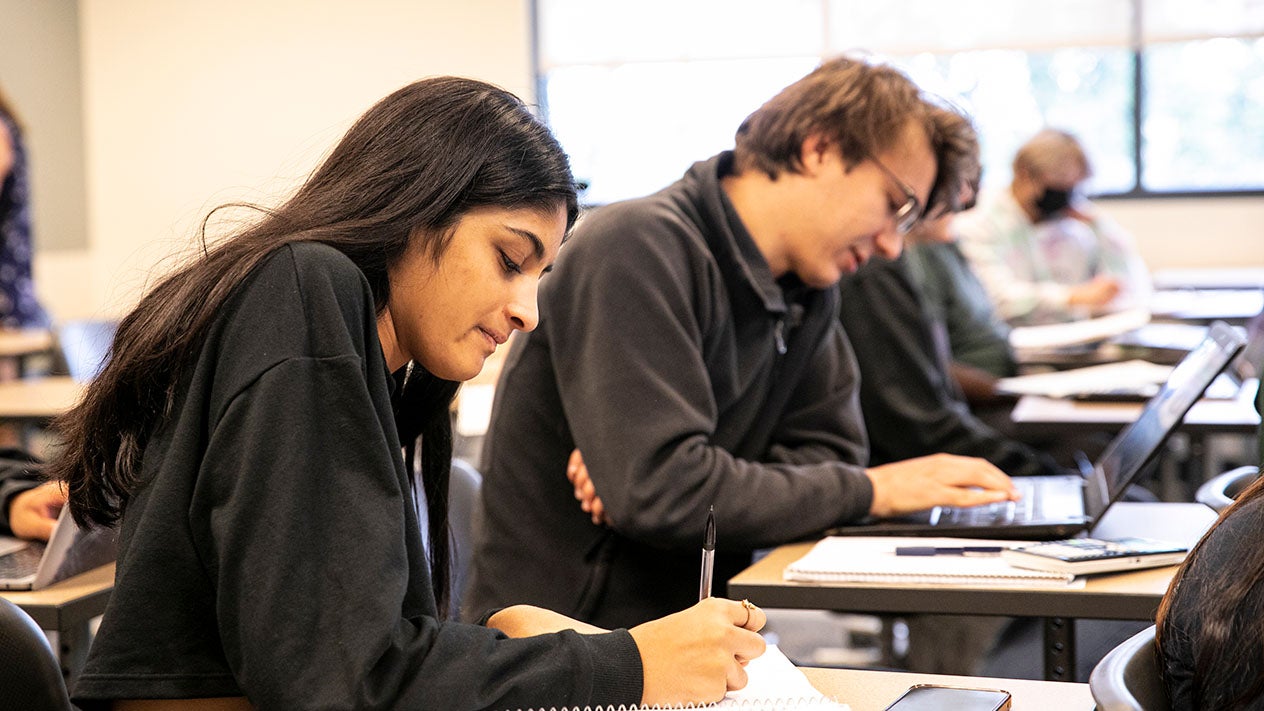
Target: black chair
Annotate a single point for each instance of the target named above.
(463, 511)
(1220, 491)
(30, 675)
(463, 523)
(1128, 677)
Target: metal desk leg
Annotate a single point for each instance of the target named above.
(1059, 649)
(72, 649)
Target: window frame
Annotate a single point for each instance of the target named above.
(1137, 48)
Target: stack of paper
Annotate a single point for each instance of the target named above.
(1073, 333)
(1133, 375)
(863, 559)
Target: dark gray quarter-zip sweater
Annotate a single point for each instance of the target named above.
(689, 377)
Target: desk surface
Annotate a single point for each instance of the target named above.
(1210, 278)
(868, 690)
(68, 602)
(76, 599)
(1236, 416)
(16, 342)
(1119, 596)
(1236, 306)
(38, 398)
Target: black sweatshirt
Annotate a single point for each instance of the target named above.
(274, 551)
(689, 378)
(912, 407)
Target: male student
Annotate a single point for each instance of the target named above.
(978, 338)
(689, 348)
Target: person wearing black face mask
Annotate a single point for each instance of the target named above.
(1051, 202)
(1041, 250)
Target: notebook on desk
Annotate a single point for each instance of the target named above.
(31, 565)
(1061, 506)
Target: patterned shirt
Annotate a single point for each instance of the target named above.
(1029, 269)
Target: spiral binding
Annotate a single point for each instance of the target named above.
(741, 705)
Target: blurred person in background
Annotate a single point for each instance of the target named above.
(19, 308)
(1042, 250)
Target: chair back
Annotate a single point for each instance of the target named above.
(30, 675)
(463, 513)
(1219, 491)
(1128, 677)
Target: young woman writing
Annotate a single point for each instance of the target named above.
(253, 433)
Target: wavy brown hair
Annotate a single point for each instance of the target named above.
(862, 108)
(407, 170)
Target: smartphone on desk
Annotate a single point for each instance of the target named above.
(933, 697)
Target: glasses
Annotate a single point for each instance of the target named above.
(906, 215)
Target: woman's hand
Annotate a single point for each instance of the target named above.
(696, 655)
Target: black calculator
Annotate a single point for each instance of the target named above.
(1081, 556)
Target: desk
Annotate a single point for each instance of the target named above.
(1210, 278)
(65, 608)
(21, 343)
(1070, 357)
(1235, 306)
(37, 400)
(868, 690)
(1035, 414)
(1119, 596)
(1042, 416)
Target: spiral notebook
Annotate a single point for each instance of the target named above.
(774, 683)
(869, 560)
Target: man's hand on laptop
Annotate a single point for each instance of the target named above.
(937, 480)
(33, 513)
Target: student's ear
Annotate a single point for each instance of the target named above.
(814, 153)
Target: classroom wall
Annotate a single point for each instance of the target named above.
(194, 103)
(1187, 232)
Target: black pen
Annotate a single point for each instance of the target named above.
(953, 550)
(708, 556)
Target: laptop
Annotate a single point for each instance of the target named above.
(31, 565)
(1054, 507)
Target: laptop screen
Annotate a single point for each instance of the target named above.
(1131, 450)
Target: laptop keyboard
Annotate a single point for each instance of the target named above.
(1031, 507)
(21, 563)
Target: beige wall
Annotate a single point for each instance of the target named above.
(193, 103)
(1205, 232)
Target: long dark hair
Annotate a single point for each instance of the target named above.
(1228, 635)
(408, 169)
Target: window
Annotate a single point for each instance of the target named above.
(1166, 95)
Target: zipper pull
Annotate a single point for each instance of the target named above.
(779, 335)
